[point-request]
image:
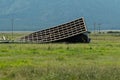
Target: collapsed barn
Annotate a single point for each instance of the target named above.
(71, 32)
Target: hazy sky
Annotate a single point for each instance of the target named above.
(47, 13)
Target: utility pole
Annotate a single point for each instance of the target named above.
(99, 26)
(12, 23)
(94, 28)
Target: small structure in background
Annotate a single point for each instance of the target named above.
(3, 39)
(71, 32)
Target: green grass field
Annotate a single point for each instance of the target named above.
(98, 60)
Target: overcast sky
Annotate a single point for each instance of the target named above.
(47, 13)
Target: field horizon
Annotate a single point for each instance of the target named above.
(98, 60)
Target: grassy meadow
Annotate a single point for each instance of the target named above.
(98, 60)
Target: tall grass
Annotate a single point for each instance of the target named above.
(99, 60)
(64, 72)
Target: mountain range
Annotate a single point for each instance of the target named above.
(32, 15)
